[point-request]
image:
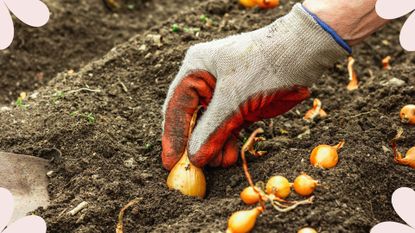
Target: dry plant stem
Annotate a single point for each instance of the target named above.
(78, 208)
(249, 146)
(353, 84)
(397, 155)
(193, 122)
(314, 111)
(120, 225)
(295, 205)
(340, 145)
(386, 63)
(83, 89)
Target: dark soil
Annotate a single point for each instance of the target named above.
(77, 32)
(98, 132)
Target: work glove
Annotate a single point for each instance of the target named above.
(240, 80)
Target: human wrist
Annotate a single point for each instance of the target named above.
(331, 31)
(352, 20)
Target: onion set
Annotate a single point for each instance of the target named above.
(274, 192)
(243, 221)
(386, 63)
(307, 230)
(409, 159)
(316, 111)
(279, 186)
(353, 80)
(407, 114)
(248, 3)
(186, 177)
(250, 196)
(326, 156)
(263, 4)
(304, 185)
(267, 4)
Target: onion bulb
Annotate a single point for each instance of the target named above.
(304, 185)
(407, 114)
(187, 178)
(243, 221)
(307, 230)
(325, 156)
(279, 186)
(408, 160)
(249, 196)
(248, 3)
(267, 4)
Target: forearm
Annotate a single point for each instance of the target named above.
(353, 20)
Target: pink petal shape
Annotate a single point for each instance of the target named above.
(6, 207)
(6, 27)
(407, 36)
(392, 9)
(32, 12)
(32, 224)
(391, 227)
(404, 205)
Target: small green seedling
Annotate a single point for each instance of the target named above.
(175, 28)
(89, 117)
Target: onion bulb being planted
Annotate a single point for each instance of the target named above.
(326, 156)
(407, 114)
(249, 196)
(186, 177)
(243, 221)
(307, 230)
(304, 185)
(279, 186)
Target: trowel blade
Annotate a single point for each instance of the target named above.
(25, 177)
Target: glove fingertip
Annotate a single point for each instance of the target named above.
(168, 161)
(230, 152)
(199, 159)
(216, 161)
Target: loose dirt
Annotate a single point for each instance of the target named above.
(77, 32)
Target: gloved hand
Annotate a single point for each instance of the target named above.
(242, 79)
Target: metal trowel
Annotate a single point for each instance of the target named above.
(25, 177)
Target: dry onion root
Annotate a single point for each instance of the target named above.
(326, 156)
(409, 159)
(277, 189)
(316, 111)
(186, 177)
(353, 80)
(120, 225)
